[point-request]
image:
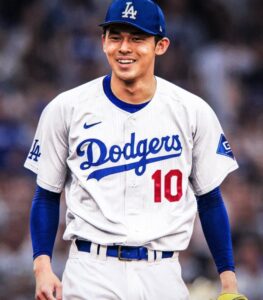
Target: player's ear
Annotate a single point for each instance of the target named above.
(162, 46)
(103, 36)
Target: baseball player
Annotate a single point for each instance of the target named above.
(137, 156)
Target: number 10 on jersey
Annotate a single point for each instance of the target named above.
(173, 177)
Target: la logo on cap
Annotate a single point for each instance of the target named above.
(129, 11)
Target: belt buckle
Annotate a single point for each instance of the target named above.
(122, 258)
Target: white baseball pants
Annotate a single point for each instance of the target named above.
(89, 276)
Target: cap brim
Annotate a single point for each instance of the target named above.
(105, 24)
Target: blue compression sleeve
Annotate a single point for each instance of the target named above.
(216, 228)
(44, 221)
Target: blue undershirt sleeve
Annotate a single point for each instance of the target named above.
(44, 220)
(216, 228)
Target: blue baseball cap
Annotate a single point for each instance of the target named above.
(145, 15)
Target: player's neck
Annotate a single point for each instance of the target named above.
(135, 92)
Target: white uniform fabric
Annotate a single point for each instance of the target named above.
(129, 178)
(109, 279)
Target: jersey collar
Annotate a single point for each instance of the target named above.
(131, 108)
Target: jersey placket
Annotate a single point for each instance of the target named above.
(132, 199)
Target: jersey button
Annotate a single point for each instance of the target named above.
(131, 120)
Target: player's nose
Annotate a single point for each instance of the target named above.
(125, 46)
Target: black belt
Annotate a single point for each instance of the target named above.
(123, 252)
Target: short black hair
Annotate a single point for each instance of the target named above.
(157, 38)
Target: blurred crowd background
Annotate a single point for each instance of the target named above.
(48, 46)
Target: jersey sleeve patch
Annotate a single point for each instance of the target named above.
(34, 154)
(224, 147)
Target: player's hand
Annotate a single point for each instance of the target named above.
(228, 296)
(229, 287)
(48, 286)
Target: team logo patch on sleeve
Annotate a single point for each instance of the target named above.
(35, 152)
(224, 147)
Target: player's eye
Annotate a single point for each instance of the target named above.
(114, 37)
(137, 38)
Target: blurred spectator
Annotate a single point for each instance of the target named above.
(250, 267)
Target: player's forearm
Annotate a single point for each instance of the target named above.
(216, 228)
(44, 220)
(228, 282)
(42, 264)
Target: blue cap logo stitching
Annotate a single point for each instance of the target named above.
(129, 11)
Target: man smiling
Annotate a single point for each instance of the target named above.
(131, 54)
(133, 152)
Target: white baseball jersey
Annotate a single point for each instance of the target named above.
(130, 178)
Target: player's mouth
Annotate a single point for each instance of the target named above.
(126, 61)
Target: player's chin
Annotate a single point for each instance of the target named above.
(126, 76)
